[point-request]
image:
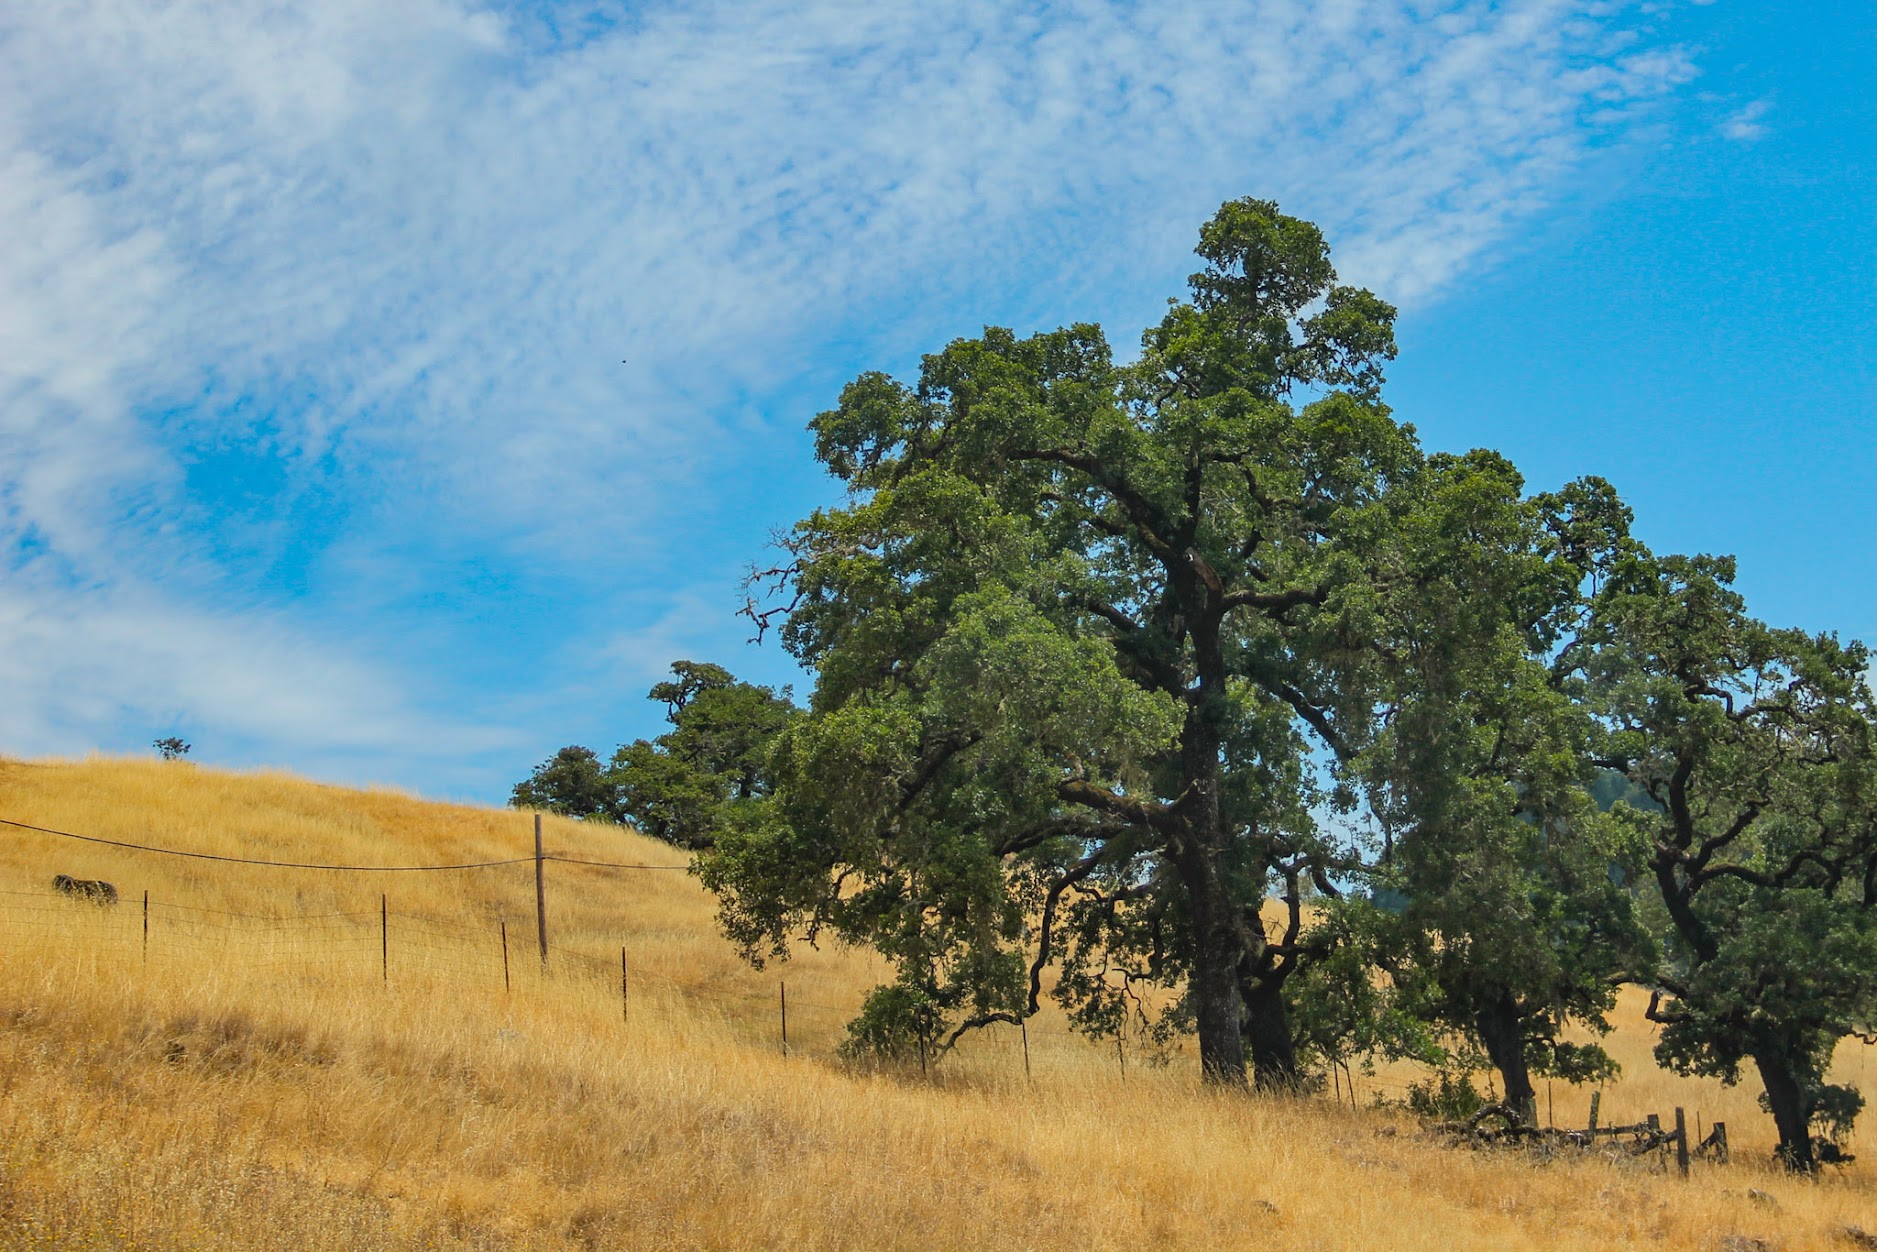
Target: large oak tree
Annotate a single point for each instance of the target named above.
(1089, 640)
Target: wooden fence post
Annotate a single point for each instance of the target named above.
(1596, 1098)
(540, 891)
(1681, 1142)
(1719, 1135)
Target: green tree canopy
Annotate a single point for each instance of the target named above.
(1108, 656)
(572, 782)
(1085, 635)
(1512, 923)
(1754, 748)
(710, 766)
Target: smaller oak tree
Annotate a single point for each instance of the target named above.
(711, 768)
(1515, 922)
(1755, 749)
(572, 783)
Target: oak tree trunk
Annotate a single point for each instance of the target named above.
(1267, 1032)
(1502, 1031)
(1785, 1094)
(1217, 947)
(1219, 938)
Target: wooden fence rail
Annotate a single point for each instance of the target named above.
(1501, 1123)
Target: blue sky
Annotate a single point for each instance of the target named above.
(391, 392)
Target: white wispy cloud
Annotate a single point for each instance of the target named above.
(403, 248)
(1747, 123)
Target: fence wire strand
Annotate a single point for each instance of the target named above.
(354, 869)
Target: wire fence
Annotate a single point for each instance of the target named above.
(403, 942)
(392, 944)
(423, 953)
(428, 954)
(401, 948)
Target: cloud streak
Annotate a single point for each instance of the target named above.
(1747, 123)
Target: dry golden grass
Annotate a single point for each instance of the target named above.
(255, 1082)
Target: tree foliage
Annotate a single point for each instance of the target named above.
(1193, 681)
(572, 783)
(681, 787)
(1754, 748)
(711, 766)
(1082, 633)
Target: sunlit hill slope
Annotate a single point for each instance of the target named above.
(306, 1058)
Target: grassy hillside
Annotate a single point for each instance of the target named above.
(304, 1058)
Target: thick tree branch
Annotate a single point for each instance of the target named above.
(1195, 499)
(1135, 643)
(1318, 720)
(1151, 814)
(1679, 813)
(1120, 620)
(1207, 575)
(1277, 602)
(1746, 817)
(978, 1022)
(942, 751)
(1042, 832)
(1149, 522)
(1677, 895)
(1779, 878)
(1656, 1013)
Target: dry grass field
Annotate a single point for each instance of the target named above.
(312, 1059)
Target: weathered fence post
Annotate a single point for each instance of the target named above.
(506, 988)
(1596, 1098)
(1719, 1135)
(540, 891)
(384, 935)
(1681, 1142)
